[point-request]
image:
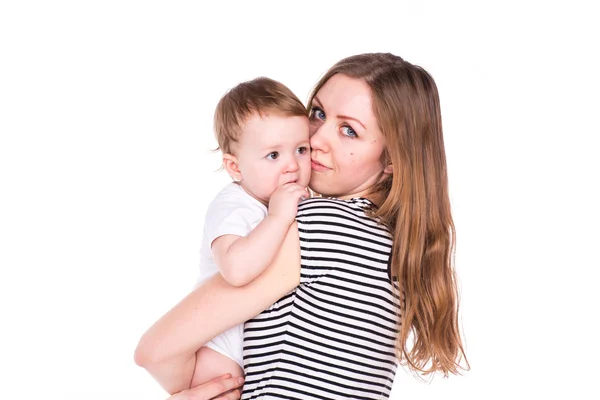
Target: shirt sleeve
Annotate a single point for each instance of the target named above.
(233, 215)
(309, 265)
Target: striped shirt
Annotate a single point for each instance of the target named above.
(333, 336)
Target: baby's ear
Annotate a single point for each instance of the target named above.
(230, 163)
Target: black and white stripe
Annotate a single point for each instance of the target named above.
(332, 337)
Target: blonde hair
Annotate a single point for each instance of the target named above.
(261, 95)
(414, 203)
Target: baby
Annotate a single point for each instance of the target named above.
(263, 133)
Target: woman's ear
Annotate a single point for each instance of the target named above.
(231, 165)
(388, 169)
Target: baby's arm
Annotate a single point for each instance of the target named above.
(241, 259)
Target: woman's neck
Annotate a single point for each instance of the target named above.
(374, 198)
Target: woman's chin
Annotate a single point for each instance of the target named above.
(318, 190)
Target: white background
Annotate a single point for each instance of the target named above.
(106, 171)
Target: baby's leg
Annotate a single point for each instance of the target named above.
(211, 364)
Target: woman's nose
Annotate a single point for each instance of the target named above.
(318, 139)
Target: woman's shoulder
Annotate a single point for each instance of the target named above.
(326, 210)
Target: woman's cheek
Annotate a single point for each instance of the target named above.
(352, 159)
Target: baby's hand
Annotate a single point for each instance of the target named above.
(284, 201)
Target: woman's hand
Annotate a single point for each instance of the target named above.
(222, 388)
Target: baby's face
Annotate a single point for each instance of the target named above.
(273, 150)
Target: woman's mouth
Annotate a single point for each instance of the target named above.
(318, 167)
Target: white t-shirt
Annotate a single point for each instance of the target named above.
(232, 212)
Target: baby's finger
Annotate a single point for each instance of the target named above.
(292, 185)
(289, 185)
(302, 193)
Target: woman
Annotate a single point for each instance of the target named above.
(383, 223)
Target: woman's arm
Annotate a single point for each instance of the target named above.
(168, 349)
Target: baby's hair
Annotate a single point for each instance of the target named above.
(261, 95)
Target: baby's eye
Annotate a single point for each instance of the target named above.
(348, 131)
(302, 150)
(273, 156)
(316, 112)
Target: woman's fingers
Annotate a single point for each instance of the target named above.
(233, 395)
(221, 388)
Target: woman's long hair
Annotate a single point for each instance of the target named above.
(414, 203)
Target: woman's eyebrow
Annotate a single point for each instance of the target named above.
(353, 119)
(316, 100)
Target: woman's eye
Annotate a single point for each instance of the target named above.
(273, 155)
(316, 112)
(302, 150)
(348, 131)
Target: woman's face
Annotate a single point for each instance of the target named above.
(346, 142)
